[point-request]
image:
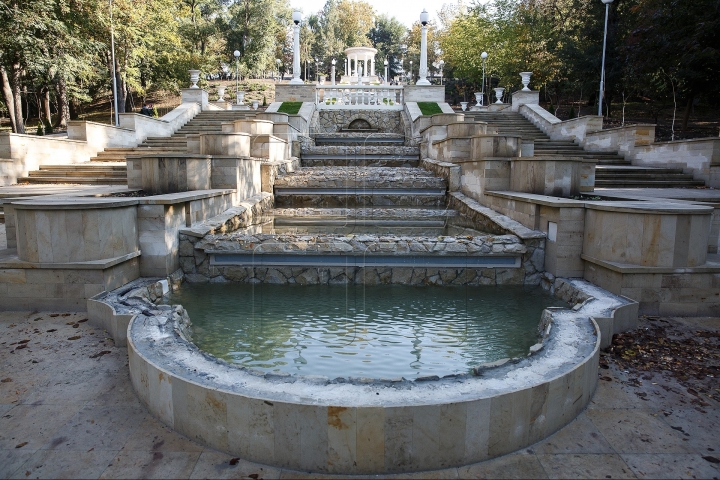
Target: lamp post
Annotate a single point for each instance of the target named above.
(278, 62)
(602, 72)
(237, 76)
(317, 70)
(112, 51)
(422, 74)
(484, 56)
(387, 73)
(333, 71)
(441, 64)
(297, 17)
(410, 77)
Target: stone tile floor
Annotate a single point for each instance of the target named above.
(67, 410)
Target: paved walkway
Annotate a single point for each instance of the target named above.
(67, 410)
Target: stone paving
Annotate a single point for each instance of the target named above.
(67, 410)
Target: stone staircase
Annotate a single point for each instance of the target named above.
(611, 171)
(109, 166)
(83, 173)
(363, 185)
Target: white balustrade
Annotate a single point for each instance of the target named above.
(370, 97)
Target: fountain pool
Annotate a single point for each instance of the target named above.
(386, 331)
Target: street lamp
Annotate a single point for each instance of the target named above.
(387, 73)
(422, 74)
(602, 72)
(317, 70)
(410, 77)
(297, 17)
(484, 56)
(114, 73)
(441, 64)
(333, 71)
(237, 76)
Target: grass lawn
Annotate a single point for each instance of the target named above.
(429, 108)
(291, 108)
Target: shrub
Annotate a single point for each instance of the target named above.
(48, 127)
(40, 130)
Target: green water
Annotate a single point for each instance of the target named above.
(364, 331)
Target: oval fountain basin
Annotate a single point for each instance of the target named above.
(384, 331)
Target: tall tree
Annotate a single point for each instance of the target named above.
(388, 35)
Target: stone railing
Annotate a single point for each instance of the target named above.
(386, 97)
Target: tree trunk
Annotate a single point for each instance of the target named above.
(128, 99)
(8, 97)
(121, 91)
(46, 104)
(17, 99)
(686, 115)
(63, 105)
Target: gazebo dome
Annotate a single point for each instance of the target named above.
(360, 51)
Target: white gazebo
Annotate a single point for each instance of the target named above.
(360, 66)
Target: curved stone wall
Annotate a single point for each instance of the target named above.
(365, 426)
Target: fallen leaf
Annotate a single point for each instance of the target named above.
(20, 445)
(234, 461)
(76, 337)
(711, 459)
(83, 320)
(65, 314)
(52, 330)
(77, 325)
(54, 315)
(100, 354)
(6, 380)
(24, 341)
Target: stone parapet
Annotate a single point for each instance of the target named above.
(294, 93)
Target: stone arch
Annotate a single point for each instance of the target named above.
(359, 117)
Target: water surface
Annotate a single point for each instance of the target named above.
(363, 331)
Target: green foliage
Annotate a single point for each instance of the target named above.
(264, 104)
(429, 108)
(291, 108)
(48, 127)
(155, 113)
(387, 35)
(40, 130)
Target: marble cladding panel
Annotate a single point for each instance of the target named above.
(331, 121)
(228, 144)
(254, 127)
(669, 294)
(102, 233)
(484, 146)
(481, 176)
(269, 147)
(241, 174)
(559, 178)
(647, 239)
(134, 172)
(162, 175)
(467, 129)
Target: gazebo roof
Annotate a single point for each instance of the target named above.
(360, 51)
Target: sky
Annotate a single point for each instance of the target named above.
(407, 11)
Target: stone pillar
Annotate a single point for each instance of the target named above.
(296, 55)
(423, 59)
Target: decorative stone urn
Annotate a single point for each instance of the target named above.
(322, 79)
(463, 105)
(499, 93)
(255, 105)
(525, 80)
(194, 77)
(221, 94)
(479, 98)
(240, 99)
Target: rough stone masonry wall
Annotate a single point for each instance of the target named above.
(195, 262)
(331, 121)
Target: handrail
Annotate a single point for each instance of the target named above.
(390, 97)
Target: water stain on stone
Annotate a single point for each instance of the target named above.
(334, 418)
(57, 441)
(157, 456)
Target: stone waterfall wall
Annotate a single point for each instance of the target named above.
(331, 121)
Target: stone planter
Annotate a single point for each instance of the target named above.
(221, 93)
(463, 105)
(499, 93)
(240, 98)
(479, 98)
(194, 77)
(255, 105)
(525, 80)
(322, 79)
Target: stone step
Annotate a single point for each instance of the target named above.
(620, 183)
(365, 178)
(74, 180)
(359, 197)
(360, 160)
(83, 166)
(636, 169)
